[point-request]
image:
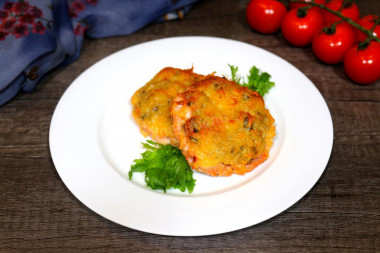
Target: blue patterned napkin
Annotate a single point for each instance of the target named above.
(37, 36)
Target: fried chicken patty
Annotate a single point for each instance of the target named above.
(151, 103)
(222, 127)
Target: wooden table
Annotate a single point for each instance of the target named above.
(339, 214)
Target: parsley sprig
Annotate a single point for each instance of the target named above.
(165, 167)
(256, 80)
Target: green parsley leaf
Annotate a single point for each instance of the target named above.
(256, 80)
(234, 70)
(165, 167)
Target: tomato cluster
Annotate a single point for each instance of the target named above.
(332, 40)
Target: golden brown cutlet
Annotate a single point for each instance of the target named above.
(152, 102)
(222, 127)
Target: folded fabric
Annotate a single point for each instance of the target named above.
(38, 36)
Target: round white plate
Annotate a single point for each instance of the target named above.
(94, 140)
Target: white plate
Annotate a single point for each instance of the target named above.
(93, 141)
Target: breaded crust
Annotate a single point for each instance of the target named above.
(151, 103)
(222, 127)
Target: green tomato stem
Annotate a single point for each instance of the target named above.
(344, 18)
(377, 21)
(302, 12)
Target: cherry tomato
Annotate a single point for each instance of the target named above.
(349, 10)
(330, 46)
(299, 26)
(363, 65)
(293, 5)
(367, 22)
(265, 16)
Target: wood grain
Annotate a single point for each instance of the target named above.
(339, 214)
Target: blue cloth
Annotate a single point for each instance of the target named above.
(37, 36)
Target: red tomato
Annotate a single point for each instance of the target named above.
(293, 5)
(299, 26)
(367, 22)
(330, 47)
(265, 16)
(349, 10)
(363, 65)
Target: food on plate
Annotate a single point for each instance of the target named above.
(213, 125)
(151, 103)
(222, 127)
(165, 167)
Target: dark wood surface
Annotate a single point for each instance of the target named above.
(339, 214)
